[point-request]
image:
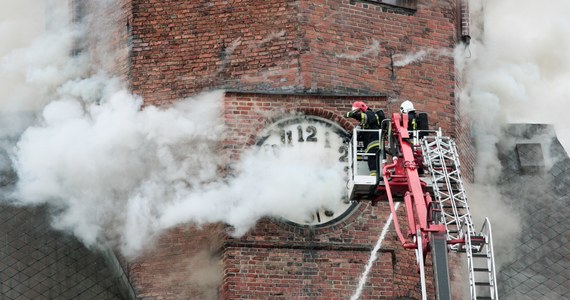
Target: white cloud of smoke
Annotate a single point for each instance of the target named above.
(521, 63)
(517, 69)
(404, 59)
(33, 60)
(117, 173)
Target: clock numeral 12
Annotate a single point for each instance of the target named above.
(287, 139)
(287, 135)
(312, 130)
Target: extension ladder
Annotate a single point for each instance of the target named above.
(441, 158)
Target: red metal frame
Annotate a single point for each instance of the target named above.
(402, 177)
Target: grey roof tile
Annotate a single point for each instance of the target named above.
(541, 268)
(39, 263)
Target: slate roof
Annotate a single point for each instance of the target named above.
(37, 262)
(536, 179)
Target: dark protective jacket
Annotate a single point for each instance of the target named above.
(412, 121)
(418, 121)
(368, 120)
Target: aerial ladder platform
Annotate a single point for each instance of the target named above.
(422, 169)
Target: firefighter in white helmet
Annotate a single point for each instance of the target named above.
(417, 121)
(414, 123)
(407, 107)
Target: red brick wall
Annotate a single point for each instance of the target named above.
(338, 47)
(180, 48)
(279, 56)
(284, 261)
(284, 273)
(183, 264)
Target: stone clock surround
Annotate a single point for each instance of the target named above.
(301, 133)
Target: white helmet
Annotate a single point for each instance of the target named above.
(407, 106)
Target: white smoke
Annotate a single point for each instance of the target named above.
(115, 172)
(517, 69)
(372, 50)
(91, 161)
(404, 59)
(33, 54)
(521, 63)
(288, 183)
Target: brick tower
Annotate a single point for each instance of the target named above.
(309, 57)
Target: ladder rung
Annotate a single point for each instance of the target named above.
(477, 240)
(481, 270)
(480, 255)
(449, 206)
(484, 298)
(480, 283)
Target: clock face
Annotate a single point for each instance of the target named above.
(321, 140)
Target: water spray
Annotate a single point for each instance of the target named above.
(373, 257)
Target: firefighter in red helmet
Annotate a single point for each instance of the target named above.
(368, 120)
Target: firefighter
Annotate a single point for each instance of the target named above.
(416, 121)
(368, 120)
(407, 107)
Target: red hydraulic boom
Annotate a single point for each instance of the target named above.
(402, 176)
(421, 167)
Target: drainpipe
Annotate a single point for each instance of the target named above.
(464, 19)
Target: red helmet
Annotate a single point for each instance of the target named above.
(360, 105)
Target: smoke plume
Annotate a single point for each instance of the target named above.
(516, 71)
(405, 59)
(115, 172)
(520, 63)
